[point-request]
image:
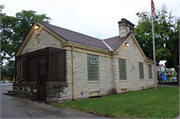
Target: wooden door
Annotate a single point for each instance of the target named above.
(41, 94)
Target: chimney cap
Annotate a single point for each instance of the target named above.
(125, 20)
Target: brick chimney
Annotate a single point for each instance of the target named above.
(125, 27)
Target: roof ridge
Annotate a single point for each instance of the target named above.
(111, 37)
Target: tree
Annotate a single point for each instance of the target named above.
(166, 36)
(8, 70)
(14, 31)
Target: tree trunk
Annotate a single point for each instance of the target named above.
(177, 76)
(175, 65)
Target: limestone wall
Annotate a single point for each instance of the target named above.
(83, 87)
(108, 73)
(45, 40)
(57, 91)
(133, 56)
(25, 90)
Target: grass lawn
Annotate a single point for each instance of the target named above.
(163, 103)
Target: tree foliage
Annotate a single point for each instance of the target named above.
(14, 30)
(166, 32)
(7, 70)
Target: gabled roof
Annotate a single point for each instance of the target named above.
(76, 37)
(73, 36)
(115, 42)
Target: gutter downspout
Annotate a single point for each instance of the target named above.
(73, 73)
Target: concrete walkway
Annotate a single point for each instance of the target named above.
(168, 85)
(178, 117)
(15, 107)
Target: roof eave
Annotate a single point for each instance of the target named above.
(87, 47)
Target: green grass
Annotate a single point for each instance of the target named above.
(163, 103)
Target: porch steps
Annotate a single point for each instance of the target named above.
(9, 93)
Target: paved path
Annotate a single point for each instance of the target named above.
(14, 107)
(161, 85)
(178, 117)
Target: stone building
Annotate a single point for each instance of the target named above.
(84, 67)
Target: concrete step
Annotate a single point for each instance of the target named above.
(11, 94)
(10, 91)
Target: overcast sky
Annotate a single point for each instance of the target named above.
(97, 18)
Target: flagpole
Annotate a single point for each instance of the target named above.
(154, 52)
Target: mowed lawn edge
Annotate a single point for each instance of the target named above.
(163, 103)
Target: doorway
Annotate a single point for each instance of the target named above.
(41, 83)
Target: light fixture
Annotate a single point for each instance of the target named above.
(36, 27)
(127, 44)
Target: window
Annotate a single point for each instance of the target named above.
(93, 67)
(122, 69)
(150, 71)
(141, 70)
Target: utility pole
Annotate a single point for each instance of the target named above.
(154, 52)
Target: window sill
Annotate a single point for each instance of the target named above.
(93, 81)
(123, 80)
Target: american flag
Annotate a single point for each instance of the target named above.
(153, 8)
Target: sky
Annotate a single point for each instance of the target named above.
(96, 18)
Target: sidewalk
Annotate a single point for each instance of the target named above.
(161, 85)
(178, 117)
(6, 83)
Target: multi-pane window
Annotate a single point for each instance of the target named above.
(122, 69)
(93, 67)
(150, 71)
(141, 70)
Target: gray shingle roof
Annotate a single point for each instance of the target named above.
(115, 42)
(76, 37)
(73, 36)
